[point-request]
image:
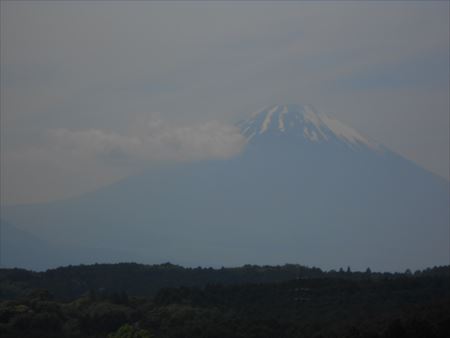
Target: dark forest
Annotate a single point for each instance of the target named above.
(133, 300)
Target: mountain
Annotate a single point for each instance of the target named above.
(306, 189)
(22, 249)
(301, 124)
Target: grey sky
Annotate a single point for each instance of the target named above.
(96, 73)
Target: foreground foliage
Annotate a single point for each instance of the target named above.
(337, 304)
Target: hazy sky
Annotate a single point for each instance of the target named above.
(91, 92)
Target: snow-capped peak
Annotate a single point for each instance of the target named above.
(304, 121)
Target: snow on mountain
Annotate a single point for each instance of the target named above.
(304, 121)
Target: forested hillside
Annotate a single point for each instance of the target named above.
(130, 300)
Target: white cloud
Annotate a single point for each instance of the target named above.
(69, 162)
(152, 139)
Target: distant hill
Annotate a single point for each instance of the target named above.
(139, 279)
(20, 248)
(146, 280)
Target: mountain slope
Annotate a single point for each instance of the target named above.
(306, 189)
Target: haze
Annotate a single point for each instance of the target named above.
(94, 92)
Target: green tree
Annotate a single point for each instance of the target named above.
(128, 331)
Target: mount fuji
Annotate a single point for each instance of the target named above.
(306, 189)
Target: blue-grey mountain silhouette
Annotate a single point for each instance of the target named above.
(306, 189)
